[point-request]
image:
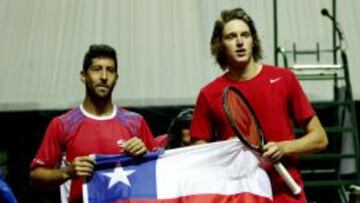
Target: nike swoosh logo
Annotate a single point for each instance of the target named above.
(272, 81)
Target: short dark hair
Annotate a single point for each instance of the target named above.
(96, 51)
(216, 39)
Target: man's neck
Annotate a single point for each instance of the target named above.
(98, 107)
(243, 72)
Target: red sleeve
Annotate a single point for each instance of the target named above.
(49, 153)
(300, 105)
(146, 136)
(201, 126)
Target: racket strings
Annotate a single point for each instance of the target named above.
(243, 119)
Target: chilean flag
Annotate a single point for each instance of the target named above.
(217, 172)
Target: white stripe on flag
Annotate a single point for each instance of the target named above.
(225, 167)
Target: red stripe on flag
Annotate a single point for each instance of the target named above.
(207, 198)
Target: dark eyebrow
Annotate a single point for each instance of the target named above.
(229, 34)
(246, 32)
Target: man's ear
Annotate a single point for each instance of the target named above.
(82, 76)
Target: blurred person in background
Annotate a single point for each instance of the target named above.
(179, 130)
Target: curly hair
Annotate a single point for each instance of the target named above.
(216, 45)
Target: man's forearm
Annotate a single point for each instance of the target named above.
(45, 178)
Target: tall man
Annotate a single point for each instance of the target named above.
(273, 92)
(96, 126)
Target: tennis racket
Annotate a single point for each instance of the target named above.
(247, 128)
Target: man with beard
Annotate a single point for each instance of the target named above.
(97, 126)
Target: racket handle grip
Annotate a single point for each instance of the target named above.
(290, 182)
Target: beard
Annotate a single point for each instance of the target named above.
(96, 94)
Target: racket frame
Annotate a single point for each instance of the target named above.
(290, 182)
(253, 115)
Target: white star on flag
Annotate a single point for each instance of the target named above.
(119, 175)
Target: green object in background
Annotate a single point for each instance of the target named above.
(3, 157)
(3, 163)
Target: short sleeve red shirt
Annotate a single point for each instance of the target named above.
(277, 99)
(75, 134)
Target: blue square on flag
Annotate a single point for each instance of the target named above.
(123, 179)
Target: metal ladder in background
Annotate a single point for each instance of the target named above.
(325, 169)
